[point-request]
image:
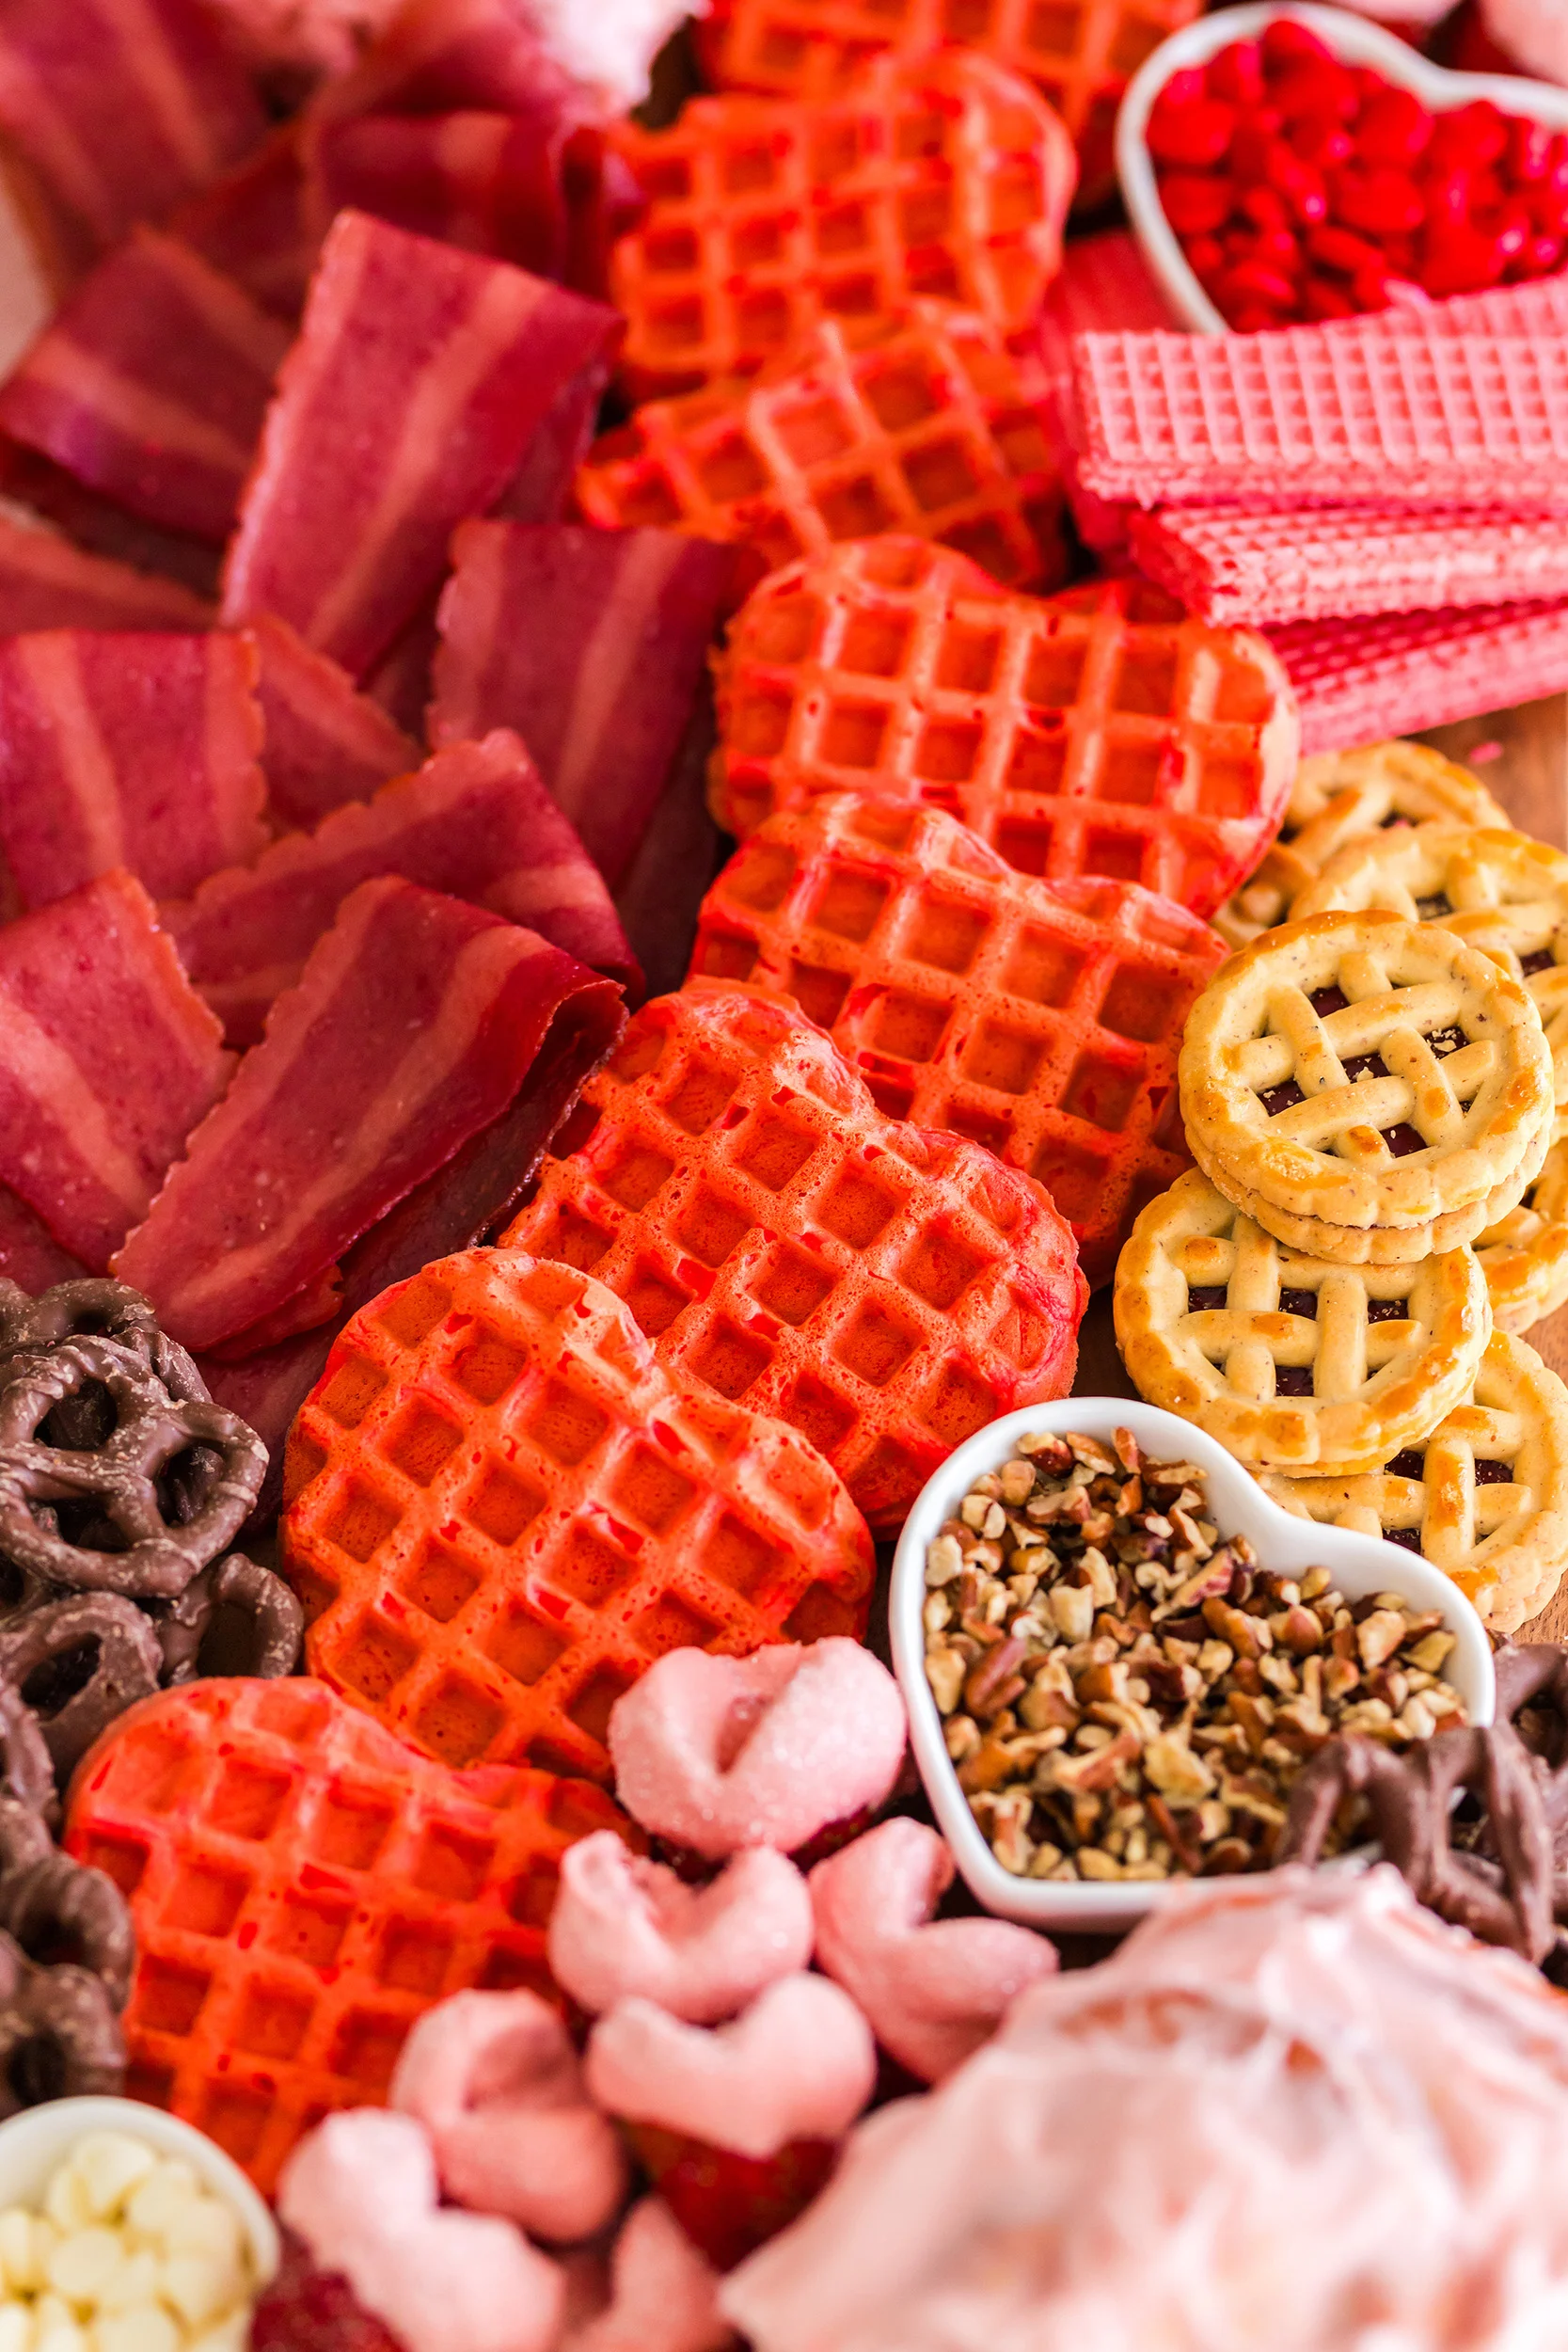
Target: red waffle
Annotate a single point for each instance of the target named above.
(1079, 56)
(926, 425)
(499, 1510)
(884, 1288)
(1102, 733)
(1041, 1019)
(1358, 681)
(942, 176)
(304, 1886)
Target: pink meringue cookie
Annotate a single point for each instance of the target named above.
(664, 2294)
(362, 2193)
(624, 1927)
(800, 2063)
(721, 1753)
(933, 1994)
(498, 2085)
(1292, 2110)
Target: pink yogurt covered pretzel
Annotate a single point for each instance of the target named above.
(933, 1994)
(625, 1927)
(361, 2192)
(722, 1752)
(663, 2294)
(799, 2064)
(495, 2080)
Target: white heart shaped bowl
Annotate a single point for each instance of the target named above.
(1238, 1506)
(36, 2142)
(1354, 39)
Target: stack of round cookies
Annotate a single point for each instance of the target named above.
(1373, 1091)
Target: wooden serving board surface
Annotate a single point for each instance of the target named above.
(1529, 776)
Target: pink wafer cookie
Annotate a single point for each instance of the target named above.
(799, 2064)
(933, 1992)
(494, 2081)
(1338, 560)
(721, 1753)
(702, 1952)
(1301, 417)
(1104, 284)
(1359, 681)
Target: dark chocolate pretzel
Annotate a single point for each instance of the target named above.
(61, 1913)
(275, 1621)
(59, 2036)
(95, 1308)
(103, 1632)
(28, 1776)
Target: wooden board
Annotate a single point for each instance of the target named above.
(1529, 776)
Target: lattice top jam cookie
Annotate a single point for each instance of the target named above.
(1103, 733)
(1291, 1362)
(1366, 1073)
(1524, 1256)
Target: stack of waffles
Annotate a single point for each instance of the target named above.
(1375, 1091)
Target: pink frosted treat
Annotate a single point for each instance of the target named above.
(623, 1926)
(664, 2294)
(361, 2192)
(799, 2064)
(498, 2085)
(721, 1753)
(933, 1994)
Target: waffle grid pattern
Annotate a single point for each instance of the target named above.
(1099, 733)
(1039, 1020)
(884, 1290)
(303, 1888)
(501, 1511)
(943, 176)
(1388, 675)
(927, 426)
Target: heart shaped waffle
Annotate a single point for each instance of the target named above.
(1336, 798)
(940, 175)
(883, 1288)
(1291, 1362)
(924, 424)
(1525, 1255)
(499, 1510)
(1101, 733)
(303, 1887)
(1485, 1497)
(1042, 1019)
(1367, 1087)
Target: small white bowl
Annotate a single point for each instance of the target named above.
(1238, 1506)
(1356, 41)
(35, 2143)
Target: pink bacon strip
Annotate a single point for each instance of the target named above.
(108, 1059)
(326, 743)
(439, 55)
(45, 582)
(100, 527)
(412, 1028)
(131, 751)
(151, 385)
(418, 377)
(593, 645)
(1358, 681)
(121, 107)
(29, 1254)
(475, 823)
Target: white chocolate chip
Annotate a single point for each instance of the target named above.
(134, 2279)
(16, 2327)
(80, 2263)
(19, 2266)
(207, 2227)
(198, 2288)
(65, 2201)
(109, 2165)
(232, 2334)
(147, 2327)
(162, 2197)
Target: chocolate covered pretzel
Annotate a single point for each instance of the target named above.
(59, 2035)
(271, 1623)
(76, 1663)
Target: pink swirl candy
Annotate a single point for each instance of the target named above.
(623, 1927)
(664, 2294)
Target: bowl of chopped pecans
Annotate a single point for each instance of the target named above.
(1118, 1653)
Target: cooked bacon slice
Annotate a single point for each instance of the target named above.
(29, 1254)
(151, 384)
(593, 645)
(437, 55)
(36, 483)
(108, 1059)
(319, 1303)
(326, 742)
(540, 491)
(261, 224)
(45, 582)
(399, 681)
(417, 381)
(128, 750)
(475, 823)
(121, 107)
(413, 1025)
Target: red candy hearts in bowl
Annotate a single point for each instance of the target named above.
(1295, 163)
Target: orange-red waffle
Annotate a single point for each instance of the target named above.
(304, 1886)
(1042, 1019)
(924, 423)
(499, 1510)
(942, 175)
(1104, 732)
(882, 1288)
(1079, 53)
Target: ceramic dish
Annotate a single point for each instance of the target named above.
(1359, 1564)
(1353, 39)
